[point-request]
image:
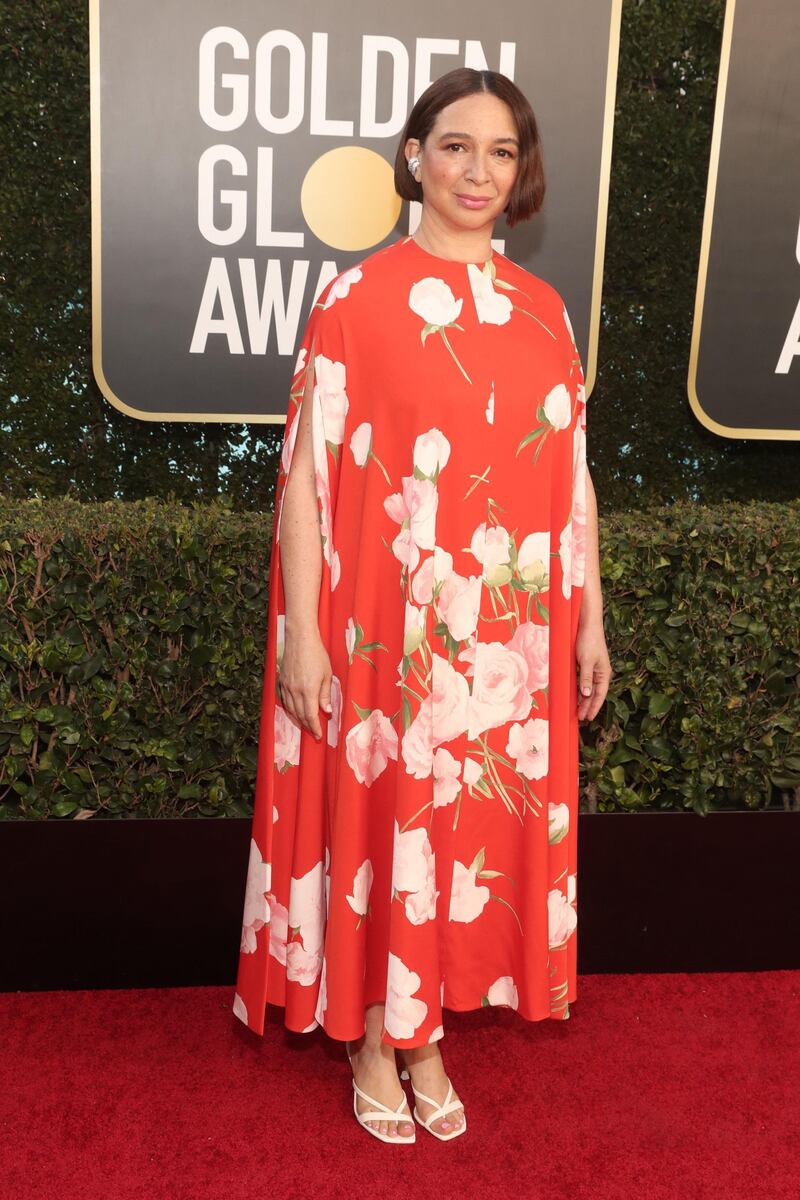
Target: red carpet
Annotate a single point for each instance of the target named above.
(670, 1087)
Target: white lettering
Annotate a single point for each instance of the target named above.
(371, 47)
(217, 285)
(236, 199)
(265, 234)
(237, 85)
(320, 125)
(791, 347)
(260, 310)
(259, 313)
(290, 42)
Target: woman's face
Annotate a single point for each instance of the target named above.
(469, 161)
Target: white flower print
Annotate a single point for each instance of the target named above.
(302, 966)
(528, 745)
(331, 381)
(414, 872)
(436, 1035)
(307, 907)
(433, 300)
(557, 822)
(565, 555)
(572, 883)
(473, 772)
(362, 882)
(287, 453)
(417, 745)
(558, 406)
(256, 909)
(490, 407)
(492, 548)
(278, 930)
(492, 307)
(467, 899)
(410, 856)
(286, 752)
(446, 782)
(499, 688)
(369, 745)
(322, 995)
(533, 562)
(532, 641)
(458, 605)
(503, 992)
(562, 919)
(361, 443)
(415, 511)
(431, 453)
(341, 285)
(568, 324)
(361, 447)
(414, 633)
(403, 1014)
(239, 1008)
(300, 361)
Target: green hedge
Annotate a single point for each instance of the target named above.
(132, 643)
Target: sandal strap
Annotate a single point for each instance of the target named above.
(384, 1112)
(447, 1106)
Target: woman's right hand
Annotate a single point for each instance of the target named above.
(304, 679)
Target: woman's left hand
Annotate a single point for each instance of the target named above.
(594, 669)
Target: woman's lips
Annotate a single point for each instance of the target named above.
(473, 201)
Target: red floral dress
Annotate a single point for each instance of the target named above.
(422, 853)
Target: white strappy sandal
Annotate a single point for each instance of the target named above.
(447, 1106)
(380, 1112)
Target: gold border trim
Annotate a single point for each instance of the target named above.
(604, 184)
(730, 431)
(280, 418)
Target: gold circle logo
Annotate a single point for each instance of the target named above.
(348, 198)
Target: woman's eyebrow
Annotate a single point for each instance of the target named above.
(469, 137)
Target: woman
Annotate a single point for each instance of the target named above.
(435, 578)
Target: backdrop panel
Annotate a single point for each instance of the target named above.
(241, 157)
(744, 369)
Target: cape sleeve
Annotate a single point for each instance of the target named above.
(579, 482)
(323, 334)
(262, 974)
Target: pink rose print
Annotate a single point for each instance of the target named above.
(532, 643)
(503, 992)
(287, 740)
(403, 1014)
(369, 745)
(562, 919)
(499, 688)
(467, 899)
(446, 772)
(528, 745)
(256, 911)
(362, 882)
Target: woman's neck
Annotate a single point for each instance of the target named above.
(460, 245)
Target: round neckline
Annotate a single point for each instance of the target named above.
(455, 262)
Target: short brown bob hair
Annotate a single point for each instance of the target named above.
(527, 194)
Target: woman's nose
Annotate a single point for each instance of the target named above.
(478, 168)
